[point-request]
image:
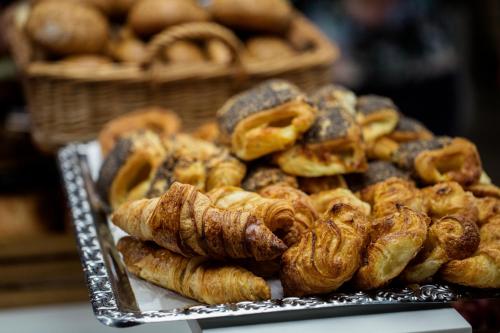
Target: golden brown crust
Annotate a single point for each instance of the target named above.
(275, 213)
(333, 95)
(194, 277)
(185, 221)
(224, 170)
(449, 198)
(377, 116)
(377, 171)
(487, 209)
(262, 176)
(156, 119)
(323, 201)
(208, 132)
(326, 256)
(395, 240)
(484, 190)
(311, 185)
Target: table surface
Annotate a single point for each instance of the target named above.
(78, 318)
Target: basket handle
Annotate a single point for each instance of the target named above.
(193, 30)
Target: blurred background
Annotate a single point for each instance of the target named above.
(438, 60)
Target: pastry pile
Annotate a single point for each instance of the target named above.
(324, 191)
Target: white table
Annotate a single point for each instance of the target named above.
(78, 318)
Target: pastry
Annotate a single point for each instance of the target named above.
(268, 118)
(129, 49)
(156, 119)
(312, 185)
(265, 269)
(65, 28)
(333, 145)
(192, 277)
(322, 201)
(333, 95)
(328, 255)
(128, 169)
(377, 171)
(224, 170)
(105, 6)
(218, 52)
(449, 198)
(395, 240)
(377, 116)
(269, 48)
(185, 52)
(484, 190)
(253, 15)
(186, 222)
(304, 213)
(450, 237)
(259, 177)
(487, 208)
(440, 159)
(208, 132)
(275, 213)
(148, 17)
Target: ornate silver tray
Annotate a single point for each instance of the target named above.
(118, 299)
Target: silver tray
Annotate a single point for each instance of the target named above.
(114, 299)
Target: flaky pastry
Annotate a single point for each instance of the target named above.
(322, 201)
(377, 116)
(261, 176)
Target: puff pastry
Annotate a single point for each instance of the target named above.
(377, 171)
(328, 255)
(262, 176)
(449, 198)
(487, 208)
(192, 277)
(128, 169)
(312, 185)
(208, 132)
(323, 200)
(186, 222)
(224, 170)
(395, 240)
(377, 116)
(440, 159)
(265, 119)
(333, 145)
(484, 190)
(305, 214)
(275, 213)
(333, 95)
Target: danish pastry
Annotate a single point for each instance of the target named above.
(192, 277)
(262, 176)
(312, 185)
(484, 190)
(333, 95)
(323, 200)
(265, 119)
(487, 208)
(333, 145)
(208, 132)
(377, 171)
(328, 255)
(224, 170)
(186, 222)
(449, 198)
(377, 116)
(440, 159)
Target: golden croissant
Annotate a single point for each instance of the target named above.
(275, 213)
(323, 200)
(185, 221)
(191, 277)
(224, 171)
(395, 240)
(450, 237)
(449, 198)
(328, 255)
(305, 214)
(376, 115)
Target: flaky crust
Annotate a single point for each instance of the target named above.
(265, 119)
(377, 116)
(208, 132)
(311, 185)
(275, 213)
(487, 208)
(224, 170)
(377, 171)
(261, 176)
(192, 277)
(481, 190)
(322, 201)
(449, 198)
(395, 240)
(304, 213)
(326, 256)
(185, 221)
(333, 95)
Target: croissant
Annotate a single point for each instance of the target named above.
(191, 277)
(333, 95)
(482, 270)
(186, 145)
(450, 237)
(333, 145)
(377, 171)
(305, 214)
(487, 208)
(395, 240)
(449, 198)
(265, 119)
(128, 169)
(184, 221)
(262, 176)
(311, 185)
(328, 255)
(440, 159)
(387, 196)
(275, 213)
(323, 200)
(376, 115)
(224, 170)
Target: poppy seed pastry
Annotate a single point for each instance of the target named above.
(376, 115)
(333, 145)
(262, 176)
(377, 171)
(265, 119)
(333, 95)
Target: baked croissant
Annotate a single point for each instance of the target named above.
(311, 185)
(377, 171)
(305, 214)
(440, 159)
(482, 270)
(184, 221)
(191, 277)
(449, 198)
(487, 208)
(323, 200)
(333, 145)
(387, 196)
(128, 169)
(377, 116)
(328, 255)
(275, 213)
(450, 237)
(259, 177)
(333, 95)
(224, 170)
(395, 240)
(265, 119)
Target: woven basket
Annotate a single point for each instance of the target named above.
(69, 103)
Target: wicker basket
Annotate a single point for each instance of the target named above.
(69, 104)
